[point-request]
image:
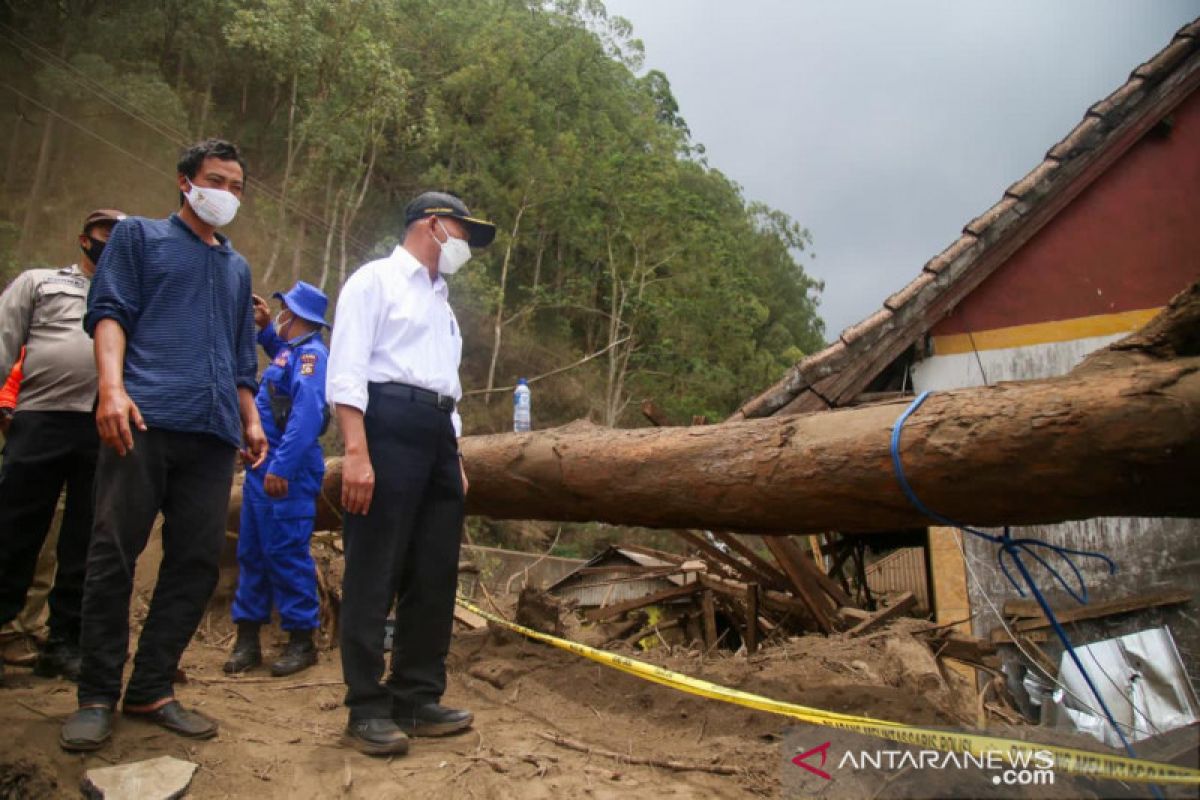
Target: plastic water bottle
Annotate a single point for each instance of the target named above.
(522, 420)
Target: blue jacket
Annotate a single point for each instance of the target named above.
(189, 324)
(297, 372)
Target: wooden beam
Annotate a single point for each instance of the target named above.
(715, 553)
(469, 618)
(812, 598)
(662, 555)
(752, 618)
(1123, 605)
(778, 579)
(710, 618)
(828, 584)
(617, 609)
(1000, 636)
(902, 604)
(781, 602)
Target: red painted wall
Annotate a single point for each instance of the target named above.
(1131, 240)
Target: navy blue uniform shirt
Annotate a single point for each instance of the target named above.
(189, 324)
(297, 371)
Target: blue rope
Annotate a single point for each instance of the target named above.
(1013, 548)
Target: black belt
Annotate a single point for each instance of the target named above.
(402, 391)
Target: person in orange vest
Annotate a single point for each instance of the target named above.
(9, 393)
(51, 440)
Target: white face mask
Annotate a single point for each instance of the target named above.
(216, 207)
(455, 252)
(280, 324)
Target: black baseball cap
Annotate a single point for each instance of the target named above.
(480, 232)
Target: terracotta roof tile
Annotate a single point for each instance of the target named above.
(1167, 60)
(985, 220)
(1042, 172)
(1128, 91)
(823, 362)
(875, 324)
(944, 258)
(1086, 135)
(897, 300)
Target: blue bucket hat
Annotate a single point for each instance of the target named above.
(307, 302)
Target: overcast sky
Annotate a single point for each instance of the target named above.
(884, 127)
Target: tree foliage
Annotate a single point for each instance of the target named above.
(616, 238)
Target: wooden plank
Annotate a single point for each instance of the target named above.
(1000, 636)
(778, 579)
(670, 558)
(616, 610)
(813, 599)
(744, 570)
(902, 604)
(767, 598)
(469, 618)
(1123, 605)
(964, 648)
(710, 618)
(752, 618)
(827, 584)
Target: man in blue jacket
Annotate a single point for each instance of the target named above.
(279, 499)
(171, 315)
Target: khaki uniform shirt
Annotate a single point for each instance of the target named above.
(43, 310)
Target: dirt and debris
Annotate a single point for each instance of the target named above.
(548, 723)
(280, 738)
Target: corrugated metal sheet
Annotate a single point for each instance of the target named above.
(591, 590)
(901, 571)
(593, 595)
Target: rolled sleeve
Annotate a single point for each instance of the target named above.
(351, 343)
(116, 290)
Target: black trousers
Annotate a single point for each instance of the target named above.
(187, 476)
(405, 549)
(44, 451)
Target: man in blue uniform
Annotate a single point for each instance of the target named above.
(279, 499)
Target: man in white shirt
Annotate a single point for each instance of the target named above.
(393, 378)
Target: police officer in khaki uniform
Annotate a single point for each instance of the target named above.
(52, 440)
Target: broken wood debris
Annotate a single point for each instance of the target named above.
(724, 591)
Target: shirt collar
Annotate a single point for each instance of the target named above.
(222, 240)
(410, 266)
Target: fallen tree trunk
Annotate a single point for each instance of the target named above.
(1122, 442)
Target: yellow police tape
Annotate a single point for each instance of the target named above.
(1066, 760)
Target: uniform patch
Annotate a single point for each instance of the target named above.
(281, 360)
(308, 363)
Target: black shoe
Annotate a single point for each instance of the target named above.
(177, 719)
(376, 737)
(431, 719)
(299, 654)
(246, 651)
(58, 658)
(87, 729)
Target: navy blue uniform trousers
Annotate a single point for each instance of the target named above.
(403, 550)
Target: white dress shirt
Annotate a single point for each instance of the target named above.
(394, 325)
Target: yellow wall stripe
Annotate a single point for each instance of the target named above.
(1063, 330)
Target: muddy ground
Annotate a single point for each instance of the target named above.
(280, 737)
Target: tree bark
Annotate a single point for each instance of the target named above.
(1121, 443)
